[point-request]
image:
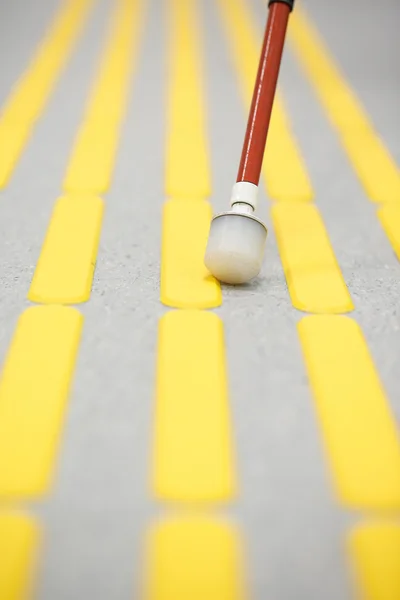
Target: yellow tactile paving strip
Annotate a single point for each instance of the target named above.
(185, 282)
(187, 158)
(193, 446)
(304, 275)
(32, 403)
(66, 276)
(194, 442)
(193, 459)
(19, 540)
(285, 175)
(47, 337)
(369, 157)
(311, 269)
(360, 433)
(352, 406)
(90, 169)
(92, 160)
(359, 430)
(375, 555)
(371, 160)
(40, 364)
(33, 90)
(196, 557)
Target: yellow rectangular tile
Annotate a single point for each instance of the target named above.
(358, 429)
(312, 273)
(375, 555)
(92, 163)
(187, 160)
(13, 138)
(33, 393)
(18, 546)
(369, 157)
(31, 93)
(64, 272)
(389, 216)
(194, 557)
(285, 173)
(93, 157)
(193, 454)
(185, 281)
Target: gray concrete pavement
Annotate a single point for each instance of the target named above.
(95, 518)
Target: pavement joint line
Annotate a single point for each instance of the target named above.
(32, 91)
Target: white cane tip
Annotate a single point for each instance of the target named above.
(235, 247)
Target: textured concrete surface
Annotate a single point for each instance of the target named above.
(95, 518)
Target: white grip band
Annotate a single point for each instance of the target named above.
(244, 192)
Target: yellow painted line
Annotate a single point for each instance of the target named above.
(33, 90)
(375, 556)
(359, 431)
(92, 161)
(187, 160)
(193, 455)
(312, 273)
(65, 269)
(194, 557)
(185, 281)
(18, 545)
(33, 394)
(389, 216)
(286, 177)
(371, 160)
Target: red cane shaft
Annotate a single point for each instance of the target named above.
(264, 93)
